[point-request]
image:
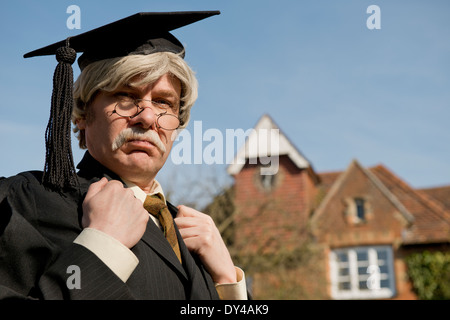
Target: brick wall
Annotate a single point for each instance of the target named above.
(275, 217)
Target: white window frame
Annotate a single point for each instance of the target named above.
(373, 276)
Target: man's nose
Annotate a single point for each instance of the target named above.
(145, 119)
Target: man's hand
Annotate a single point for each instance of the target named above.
(203, 238)
(113, 209)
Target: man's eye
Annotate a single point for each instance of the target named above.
(162, 104)
(123, 95)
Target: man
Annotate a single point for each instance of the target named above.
(107, 231)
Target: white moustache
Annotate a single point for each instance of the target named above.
(138, 134)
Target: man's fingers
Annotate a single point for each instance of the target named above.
(189, 233)
(190, 229)
(184, 211)
(186, 222)
(96, 187)
(201, 236)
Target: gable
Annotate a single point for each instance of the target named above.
(386, 216)
(266, 140)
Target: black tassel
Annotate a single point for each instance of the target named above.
(59, 170)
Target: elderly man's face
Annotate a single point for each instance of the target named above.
(136, 160)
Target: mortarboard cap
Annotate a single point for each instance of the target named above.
(142, 33)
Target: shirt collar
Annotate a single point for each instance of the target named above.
(141, 195)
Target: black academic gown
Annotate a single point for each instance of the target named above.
(37, 230)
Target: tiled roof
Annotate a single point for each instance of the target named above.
(431, 219)
(430, 208)
(441, 194)
(328, 178)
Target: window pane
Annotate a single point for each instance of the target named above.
(344, 286)
(344, 271)
(362, 270)
(382, 254)
(359, 208)
(384, 283)
(384, 269)
(363, 285)
(342, 257)
(362, 256)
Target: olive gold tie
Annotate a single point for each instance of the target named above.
(156, 207)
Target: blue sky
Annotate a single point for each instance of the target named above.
(338, 90)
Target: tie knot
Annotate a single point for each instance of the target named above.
(154, 204)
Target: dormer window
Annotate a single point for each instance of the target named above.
(358, 210)
(267, 181)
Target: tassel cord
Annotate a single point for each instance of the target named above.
(59, 170)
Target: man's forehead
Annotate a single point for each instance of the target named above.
(167, 83)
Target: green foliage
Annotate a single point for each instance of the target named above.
(430, 274)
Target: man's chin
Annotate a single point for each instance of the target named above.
(138, 164)
(143, 155)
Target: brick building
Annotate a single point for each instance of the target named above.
(362, 222)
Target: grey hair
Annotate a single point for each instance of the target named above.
(109, 74)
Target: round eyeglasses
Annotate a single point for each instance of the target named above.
(129, 108)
